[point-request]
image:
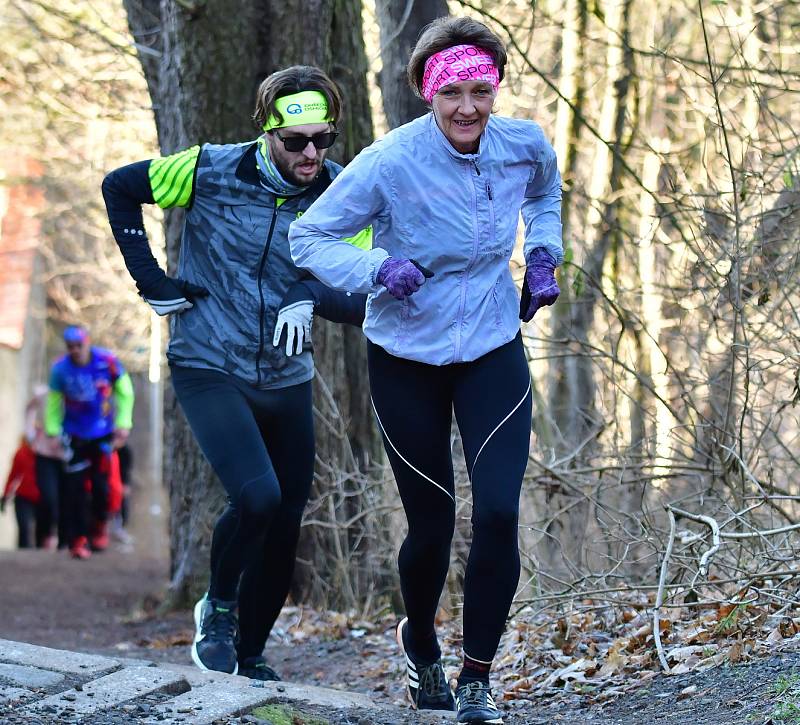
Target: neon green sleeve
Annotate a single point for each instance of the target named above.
(362, 240)
(123, 399)
(54, 413)
(172, 178)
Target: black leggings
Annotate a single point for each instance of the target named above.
(414, 403)
(48, 477)
(25, 512)
(261, 445)
(90, 462)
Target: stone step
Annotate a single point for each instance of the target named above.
(73, 663)
(27, 676)
(209, 702)
(93, 689)
(111, 691)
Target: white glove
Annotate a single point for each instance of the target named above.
(296, 318)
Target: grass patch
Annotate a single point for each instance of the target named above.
(286, 715)
(787, 690)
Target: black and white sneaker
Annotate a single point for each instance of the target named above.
(216, 635)
(256, 668)
(428, 688)
(476, 704)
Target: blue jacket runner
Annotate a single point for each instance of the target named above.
(456, 214)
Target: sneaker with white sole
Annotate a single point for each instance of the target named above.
(216, 635)
(428, 688)
(476, 704)
(256, 668)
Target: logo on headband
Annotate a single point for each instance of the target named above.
(297, 109)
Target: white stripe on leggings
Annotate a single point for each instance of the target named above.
(497, 427)
(403, 458)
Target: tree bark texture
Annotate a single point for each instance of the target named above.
(401, 22)
(213, 58)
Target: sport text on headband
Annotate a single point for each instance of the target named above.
(457, 64)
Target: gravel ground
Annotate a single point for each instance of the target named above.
(101, 606)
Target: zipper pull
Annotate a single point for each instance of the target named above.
(489, 191)
(475, 164)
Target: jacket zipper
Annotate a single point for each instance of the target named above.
(492, 229)
(463, 300)
(262, 309)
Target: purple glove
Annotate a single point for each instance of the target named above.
(402, 277)
(540, 287)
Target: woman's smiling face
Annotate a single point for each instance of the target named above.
(462, 111)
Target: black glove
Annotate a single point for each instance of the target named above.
(426, 273)
(171, 294)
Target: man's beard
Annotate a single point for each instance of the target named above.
(291, 177)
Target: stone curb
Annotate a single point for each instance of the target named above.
(40, 682)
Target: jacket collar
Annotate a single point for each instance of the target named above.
(247, 171)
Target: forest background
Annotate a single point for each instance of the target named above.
(664, 480)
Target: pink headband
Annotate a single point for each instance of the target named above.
(456, 64)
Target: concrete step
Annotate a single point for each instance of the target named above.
(110, 691)
(40, 684)
(57, 660)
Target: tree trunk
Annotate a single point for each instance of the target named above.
(578, 421)
(575, 415)
(212, 60)
(400, 26)
(144, 21)
(562, 374)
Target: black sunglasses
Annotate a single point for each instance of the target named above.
(298, 143)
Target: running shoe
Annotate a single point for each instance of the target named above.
(99, 538)
(216, 635)
(476, 704)
(256, 668)
(79, 549)
(428, 688)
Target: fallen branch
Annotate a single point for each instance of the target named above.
(662, 580)
(705, 559)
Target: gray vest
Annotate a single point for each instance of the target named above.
(235, 244)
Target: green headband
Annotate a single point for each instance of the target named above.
(300, 109)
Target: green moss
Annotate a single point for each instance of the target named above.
(286, 715)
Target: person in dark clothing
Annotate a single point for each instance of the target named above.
(239, 352)
(49, 471)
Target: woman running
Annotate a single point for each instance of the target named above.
(444, 194)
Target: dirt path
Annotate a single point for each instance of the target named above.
(106, 606)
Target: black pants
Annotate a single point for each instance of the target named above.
(261, 445)
(414, 404)
(25, 512)
(88, 467)
(48, 475)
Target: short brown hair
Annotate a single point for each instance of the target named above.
(446, 32)
(294, 79)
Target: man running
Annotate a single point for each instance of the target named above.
(239, 351)
(91, 402)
